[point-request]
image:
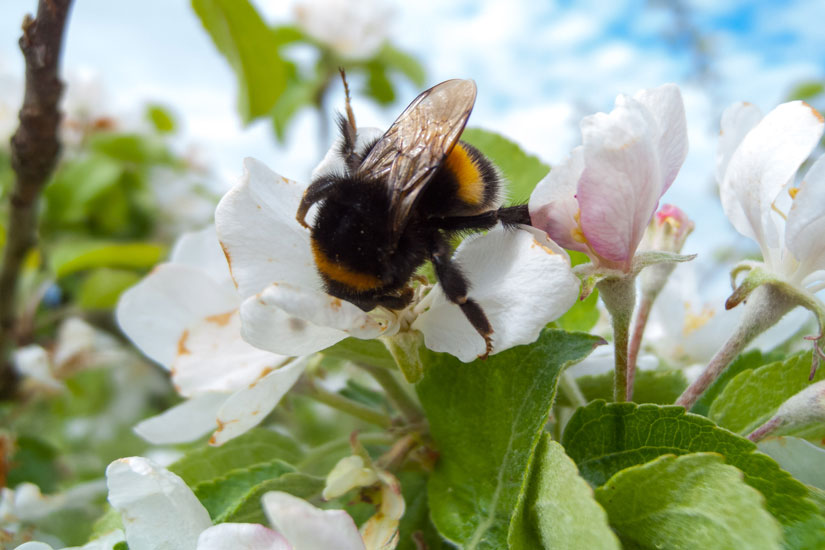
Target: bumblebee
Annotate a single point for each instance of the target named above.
(399, 201)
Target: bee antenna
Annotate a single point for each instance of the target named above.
(350, 114)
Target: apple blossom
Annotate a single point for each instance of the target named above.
(353, 30)
(757, 164)
(600, 200)
(184, 315)
(520, 278)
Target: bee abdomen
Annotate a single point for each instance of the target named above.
(475, 180)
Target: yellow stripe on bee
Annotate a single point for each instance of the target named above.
(337, 272)
(467, 174)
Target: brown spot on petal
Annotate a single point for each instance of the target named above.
(229, 262)
(297, 325)
(542, 246)
(182, 349)
(335, 304)
(261, 376)
(221, 319)
(816, 113)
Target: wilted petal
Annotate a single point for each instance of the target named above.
(262, 240)
(765, 161)
(622, 180)
(380, 531)
(553, 205)
(805, 228)
(212, 356)
(241, 536)
(348, 474)
(521, 279)
(668, 110)
(307, 527)
(295, 320)
(156, 312)
(185, 422)
(159, 511)
(737, 121)
(201, 249)
(248, 407)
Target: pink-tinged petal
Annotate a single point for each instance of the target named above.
(666, 105)
(212, 357)
(185, 422)
(521, 279)
(737, 120)
(622, 180)
(805, 228)
(765, 161)
(307, 527)
(294, 320)
(262, 240)
(201, 249)
(333, 162)
(156, 312)
(241, 536)
(159, 511)
(248, 407)
(553, 205)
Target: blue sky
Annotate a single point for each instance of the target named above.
(540, 67)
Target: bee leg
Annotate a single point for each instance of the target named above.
(396, 301)
(317, 191)
(455, 287)
(508, 215)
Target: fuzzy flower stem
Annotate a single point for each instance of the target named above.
(639, 324)
(765, 429)
(619, 296)
(337, 401)
(399, 396)
(766, 305)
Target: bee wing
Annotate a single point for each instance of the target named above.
(409, 153)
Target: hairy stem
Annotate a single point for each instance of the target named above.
(759, 433)
(639, 324)
(35, 149)
(619, 296)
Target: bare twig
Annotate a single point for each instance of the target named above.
(34, 152)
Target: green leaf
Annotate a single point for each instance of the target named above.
(690, 501)
(807, 91)
(72, 256)
(583, 316)
(397, 60)
(221, 494)
(804, 460)
(650, 386)
(379, 86)
(415, 523)
(102, 287)
(248, 508)
(748, 360)
(521, 169)
(133, 148)
(605, 438)
(36, 461)
(485, 419)
(297, 95)
(161, 119)
(557, 509)
(108, 522)
(76, 183)
(754, 395)
(254, 447)
(371, 352)
(252, 50)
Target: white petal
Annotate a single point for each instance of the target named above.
(185, 422)
(106, 542)
(159, 511)
(348, 474)
(248, 407)
(521, 279)
(261, 238)
(241, 536)
(295, 320)
(765, 161)
(806, 220)
(157, 311)
(737, 121)
(333, 162)
(33, 362)
(622, 180)
(553, 205)
(212, 356)
(668, 109)
(307, 527)
(201, 249)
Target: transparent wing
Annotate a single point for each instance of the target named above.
(409, 153)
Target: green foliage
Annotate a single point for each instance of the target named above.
(521, 169)
(557, 509)
(247, 508)
(690, 501)
(605, 438)
(650, 386)
(102, 287)
(754, 395)
(371, 352)
(416, 519)
(485, 419)
(219, 494)
(252, 50)
(68, 257)
(256, 446)
(34, 461)
(806, 91)
(161, 119)
(748, 360)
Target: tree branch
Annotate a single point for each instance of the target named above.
(35, 149)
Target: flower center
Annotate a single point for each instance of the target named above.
(695, 321)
